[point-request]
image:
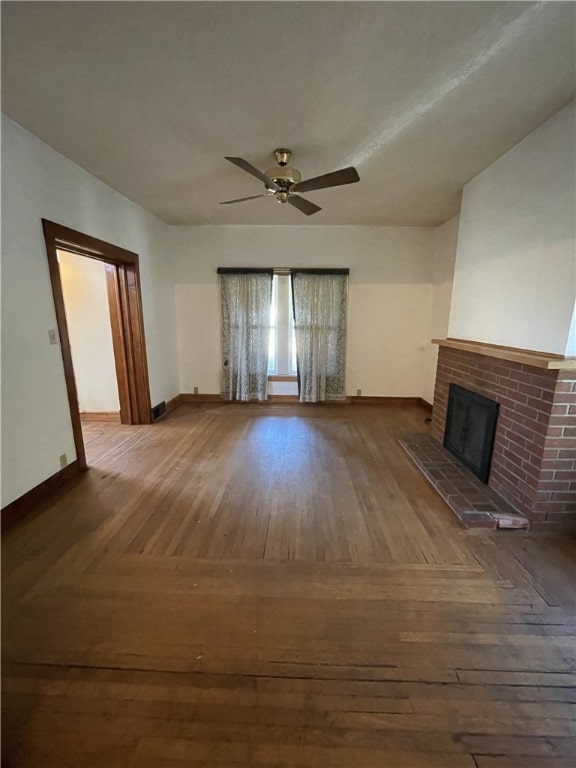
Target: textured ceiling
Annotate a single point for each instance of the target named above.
(150, 97)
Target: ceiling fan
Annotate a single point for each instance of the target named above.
(285, 183)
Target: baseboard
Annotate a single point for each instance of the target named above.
(173, 403)
(397, 401)
(188, 397)
(109, 416)
(20, 508)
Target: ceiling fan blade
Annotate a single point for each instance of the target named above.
(241, 199)
(304, 205)
(334, 179)
(246, 166)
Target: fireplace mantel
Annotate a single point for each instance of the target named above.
(545, 360)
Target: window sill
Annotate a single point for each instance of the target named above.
(282, 377)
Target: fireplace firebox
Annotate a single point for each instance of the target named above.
(470, 429)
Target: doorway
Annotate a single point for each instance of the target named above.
(125, 309)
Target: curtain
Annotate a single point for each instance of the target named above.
(320, 318)
(245, 307)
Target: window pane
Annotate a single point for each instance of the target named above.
(293, 363)
(273, 337)
(272, 351)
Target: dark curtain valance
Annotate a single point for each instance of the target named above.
(244, 271)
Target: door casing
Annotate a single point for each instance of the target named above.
(126, 320)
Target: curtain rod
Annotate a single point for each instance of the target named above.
(280, 271)
(244, 270)
(319, 271)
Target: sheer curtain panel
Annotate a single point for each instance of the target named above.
(320, 320)
(245, 314)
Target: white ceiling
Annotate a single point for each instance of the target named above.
(420, 96)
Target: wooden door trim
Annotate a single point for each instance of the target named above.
(125, 304)
(119, 344)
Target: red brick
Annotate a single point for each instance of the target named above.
(516, 455)
(533, 476)
(532, 437)
(550, 453)
(565, 398)
(552, 506)
(554, 432)
(565, 496)
(505, 422)
(558, 464)
(507, 381)
(528, 413)
(546, 380)
(542, 495)
(564, 386)
(539, 393)
(547, 475)
(513, 474)
(555, 486)
(565, 474)
(516, 397)
(562, 421)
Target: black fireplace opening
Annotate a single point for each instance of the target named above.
(470, 429)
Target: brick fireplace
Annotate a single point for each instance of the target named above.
(534, 459)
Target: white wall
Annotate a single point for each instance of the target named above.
(445, 241)
(389, 302)
(515, 275)
(90, 331)
(571, 343)
(37, 183)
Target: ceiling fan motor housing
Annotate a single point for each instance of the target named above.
(285, 177)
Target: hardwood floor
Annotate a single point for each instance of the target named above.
(278, 586)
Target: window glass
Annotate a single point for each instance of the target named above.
(282, 340)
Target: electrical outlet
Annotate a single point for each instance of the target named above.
(53, 336)
(63, 461)
(195, 390)
(358, 393)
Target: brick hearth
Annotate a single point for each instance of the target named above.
(534, 460)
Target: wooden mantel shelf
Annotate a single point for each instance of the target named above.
(513, 354)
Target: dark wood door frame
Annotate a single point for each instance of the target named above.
(125, 304)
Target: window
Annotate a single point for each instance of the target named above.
(282, 340)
